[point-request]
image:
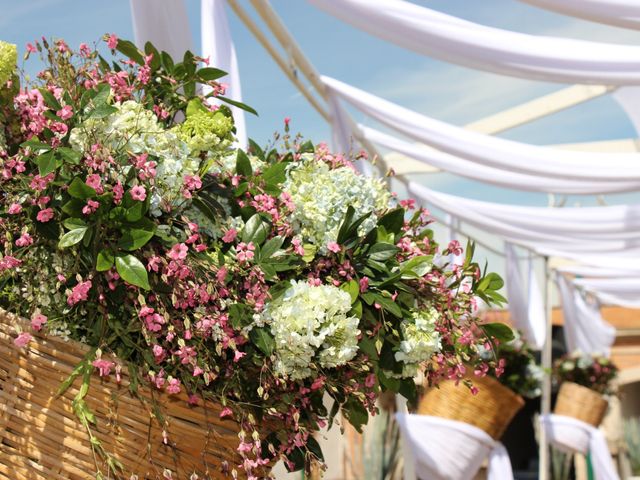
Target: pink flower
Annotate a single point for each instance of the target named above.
(8, 262)
(160, 112)
(104, 366)
(333, 247)
(112, 41)
(230, 235)
(65, 113)
(364, 284)
(158, 353)
(24, 240)
(226, 412)
(178, 252)
(38, 320)
(85, 51)
(474, 390)
(79, 293)
(14, 208)
(370, 380)
(174, 386)
(22, 340)
(454, 247)
(90, 207)
(138, 193)
(95, 182)
(245, 252)
(297, 246)
(45, 215)
(118, 193)
(237, 355)
(31, 48)
(287, 121)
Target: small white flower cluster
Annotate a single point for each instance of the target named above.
(135, 129)
(310, 324)
(322, 195)
(420, 342)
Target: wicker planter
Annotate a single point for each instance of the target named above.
(41, 437)
(491, 410)
(581, 403)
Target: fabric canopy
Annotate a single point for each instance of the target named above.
(495, 176)
(573, 436)
(492, 151)
(165, 24)
(585, 329)
(621, 13)
(616, 291)
(455, 40)
(448, 450)
(218, 47)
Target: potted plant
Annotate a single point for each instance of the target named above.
(179, 307)
(584, 382)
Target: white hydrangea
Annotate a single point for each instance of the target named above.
(135, 129)
(322, 195)
(310, 325)
(420, 342)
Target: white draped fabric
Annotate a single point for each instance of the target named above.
(526, 306)
(449, 450)
(616, 291)
(165, 24)
(484, 48)
(584, 327)
(573, 436)
(218, 46)
(621, 13)
(492, 151)
(494, 176)
(629, 100)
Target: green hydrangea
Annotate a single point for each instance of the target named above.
(321, 196)
(8, 61)
(420, 340)
(204, 130)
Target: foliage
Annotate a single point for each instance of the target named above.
(130, 223)
(521, 373)
(591, 371)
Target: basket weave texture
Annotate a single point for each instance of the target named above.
(582, 403)
(41, 437)
(491, 410)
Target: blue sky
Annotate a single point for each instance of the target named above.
(448, 92)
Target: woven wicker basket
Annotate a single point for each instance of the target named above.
(41, 437)
(582, 403)
(491, 410)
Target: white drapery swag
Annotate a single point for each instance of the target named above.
(492, 151)
(526, 306)
(584, 327)
(573, 436)
(449, 450)
(494, 176)
(218, 46)
(622, 13)
(165, 24)
(624, 292)
(484, 48)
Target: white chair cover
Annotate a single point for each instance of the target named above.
(573, 436)
(449, 450)
(218, 46)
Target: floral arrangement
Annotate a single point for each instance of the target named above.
(520, 372)
(591, 371)
(261, 279)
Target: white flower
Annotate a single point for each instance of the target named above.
(420, 340)
(310, 325)
(322, 195)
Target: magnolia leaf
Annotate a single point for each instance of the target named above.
(134, 238)
(243, 164)
(132, 271)
(382, 252)
(105, 260)
(499, 331)
(46, 163)
(262, 339)
(207, 74)
(79, 189)
(72, 237)
(254, 230)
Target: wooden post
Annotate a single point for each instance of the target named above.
(545, 404)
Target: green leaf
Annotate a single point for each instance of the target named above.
(132, 271)
(240, 105)
(72, 237)
(352, 288)
(492, 281)
(50, 99)
(101, 111)
(256, 150)
(355, 412)
(393, 220)
(310, 251)
(36, 146)
(243, 164)
(167, 62)
(499, 331)
(73, 207)
(149, 49)
(307, 147)
(79, 189)
(207, 74)
(254, 230)
(46, 163)
(73, 223)
(271, 247)
(275, 174)
(130, 50)
(416, 267)
(262, 339)
(105, 260)
(69, 155)
(194, 106)
(134, 238)
(314, 447)
(135, 212)
(382, 252)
